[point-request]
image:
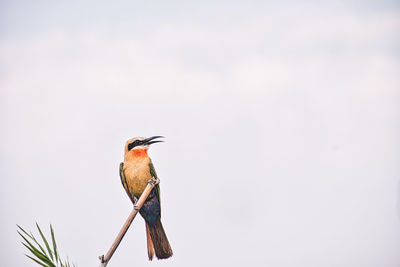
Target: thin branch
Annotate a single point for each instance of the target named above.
(105, 259)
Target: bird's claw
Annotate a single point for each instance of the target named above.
(101, 258)
(154, 181)
(135, 206)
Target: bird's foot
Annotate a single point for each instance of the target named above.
(101, 258)
(154, 181)
(135, 206)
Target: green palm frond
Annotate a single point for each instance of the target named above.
(48, 257)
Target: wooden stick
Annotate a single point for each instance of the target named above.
(105, 259)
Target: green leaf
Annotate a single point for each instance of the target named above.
(29, 243)
(39, 255)
(54, 244)
(37, 243)
(45, 242)
(22, 229)
(43, 257)
(38, 262)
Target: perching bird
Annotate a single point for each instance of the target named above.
(135, 172)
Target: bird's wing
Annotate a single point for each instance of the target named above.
(124, 182)
(154, 174)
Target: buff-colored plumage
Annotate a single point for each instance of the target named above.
(137, 171)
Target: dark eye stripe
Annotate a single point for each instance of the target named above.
(133, 144)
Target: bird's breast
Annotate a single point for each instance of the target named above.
(137, 174)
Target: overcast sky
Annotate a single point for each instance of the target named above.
(282, 125)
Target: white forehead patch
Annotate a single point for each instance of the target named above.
(136, 138)
(141, 147)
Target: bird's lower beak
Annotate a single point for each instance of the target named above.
(150, 141)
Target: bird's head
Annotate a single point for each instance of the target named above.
(139, 145)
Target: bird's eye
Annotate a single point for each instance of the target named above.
(131, 145)
(134, 144)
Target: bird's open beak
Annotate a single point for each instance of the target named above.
(149, 141)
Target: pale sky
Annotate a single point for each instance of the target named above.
(282, 125)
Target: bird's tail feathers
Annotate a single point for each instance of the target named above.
(150, 246)
(160, 241)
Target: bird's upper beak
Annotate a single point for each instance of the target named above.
(151, 140)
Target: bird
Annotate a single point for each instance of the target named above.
(135, 172)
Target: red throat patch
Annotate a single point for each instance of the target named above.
(140, 152)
